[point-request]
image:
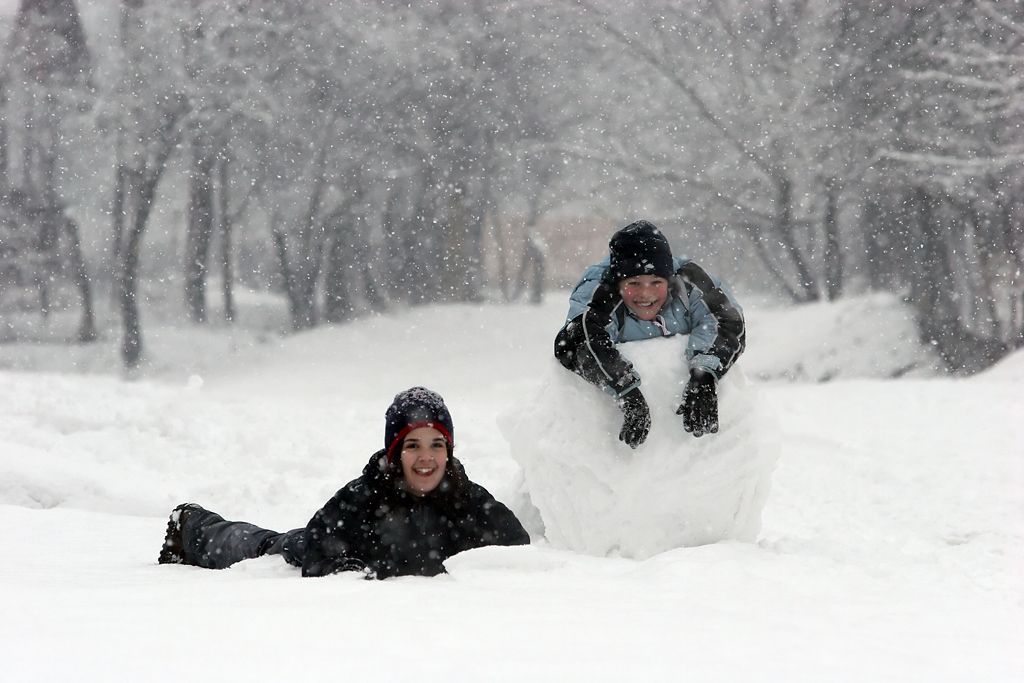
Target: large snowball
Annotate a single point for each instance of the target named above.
(596, 495)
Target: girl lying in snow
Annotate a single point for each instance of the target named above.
(412, 508)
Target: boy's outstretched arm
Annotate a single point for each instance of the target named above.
(584, 346)
(719, 333)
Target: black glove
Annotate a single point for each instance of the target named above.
(636, 418)
(700, 404)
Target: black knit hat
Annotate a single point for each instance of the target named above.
(414, 408)
(639, 249)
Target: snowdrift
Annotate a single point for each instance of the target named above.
(870, 335)
(596, 495)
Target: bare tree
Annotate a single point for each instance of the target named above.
(742, 107)
(145, 112)
(948, 151)
(45, 78)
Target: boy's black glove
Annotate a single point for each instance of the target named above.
(636, 418)
(700, 404)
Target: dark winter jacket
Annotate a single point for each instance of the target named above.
(373, 524)
(598, 319)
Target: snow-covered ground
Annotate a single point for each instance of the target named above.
(891, 545)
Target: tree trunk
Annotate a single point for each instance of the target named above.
(808, 286)
(142, 194)
(373, 288)
(939, 316)
(421, 279)
(531, 269)
(131, 343)
(537, 258)
(395, 256)
(291, 288)
(299, 285)
(87, 326)
(456, 264)
(226, 226)
(833, 253)
(534, 258)
(764, 255)
(876, 247)
(985, 270)
(200, 227)
(4, 140)
(475, 276)
(302, 259)
(933, 276)
(1013, 241)
(501, 248)
(140, 190)
(337, 301)
(118, 208)
(29, 152)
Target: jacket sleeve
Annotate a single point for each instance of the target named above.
(489, 522)
(718, 335)
(332, 535)
(584, 344)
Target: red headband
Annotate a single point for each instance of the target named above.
(416, 425)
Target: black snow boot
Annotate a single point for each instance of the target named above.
(173, 551)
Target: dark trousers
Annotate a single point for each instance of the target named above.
(213, 542)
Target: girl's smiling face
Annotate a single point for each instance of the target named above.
(424, 456)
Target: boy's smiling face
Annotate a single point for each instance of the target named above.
(644, 295)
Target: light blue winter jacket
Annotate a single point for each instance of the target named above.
(698, 305)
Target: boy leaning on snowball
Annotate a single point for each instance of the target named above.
(639, 291)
